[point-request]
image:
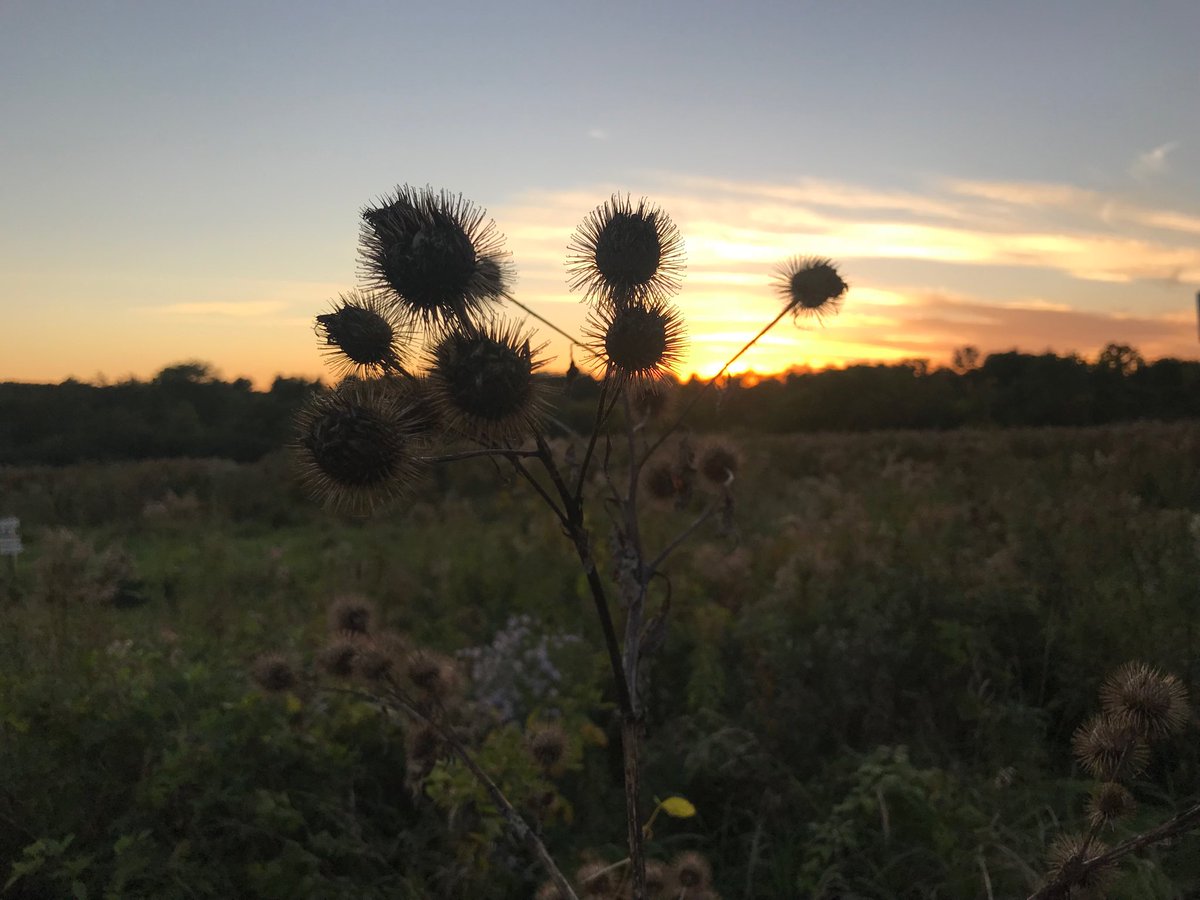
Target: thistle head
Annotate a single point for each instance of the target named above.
(623, 252)
(1151, 703)
(1065, 861)
(355, 447)
(1110, 801)
(431, 673)
(483, 381)
(692, 871)
(719, 463)
(339, 655)
(274, 673)
(351, 613)
(548, 746)
(637, 343)
(811, 287)
(432, 253)
(660, 481)
(362, 336)
(1110, 749)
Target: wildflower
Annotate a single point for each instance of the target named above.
(482, 381)
(811, 287)
(637, 342)
(362, 336)
(1153, 704)
(355, 447)
(622, 252)
(433, 253)
(273, 672)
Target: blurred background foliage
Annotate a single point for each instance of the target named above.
(868, 690)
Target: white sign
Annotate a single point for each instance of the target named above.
(10, 536)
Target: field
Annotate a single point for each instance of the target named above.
(867, 689)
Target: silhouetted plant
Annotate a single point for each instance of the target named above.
(437, 272)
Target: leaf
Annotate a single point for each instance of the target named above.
(293, 704)
(678, 808)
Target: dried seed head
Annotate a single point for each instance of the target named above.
(1153, 704)
(658, 879)
(811, 287)
(273, 672)
(595, 880)
(361, 335)
(550, 891)
(719, 463)
(424, 745)
(351, 613)
(1111, 750)
(354, 447)
(623, 252)
(433, 253)
(548, 745)
(483, 381)
(432, 673)
(650, 400)
(1110, 801)
(692, 870)
(1065, 861)
(637, 343)
(337, 658)
(660, 481)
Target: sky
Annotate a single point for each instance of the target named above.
(183, 181)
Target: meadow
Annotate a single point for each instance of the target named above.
(868, 688)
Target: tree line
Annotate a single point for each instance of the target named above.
(186, 411)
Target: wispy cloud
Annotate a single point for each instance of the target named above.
(1152, 162)
(736, 233)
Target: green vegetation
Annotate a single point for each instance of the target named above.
(869, 690)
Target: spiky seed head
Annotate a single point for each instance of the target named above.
(658, 879)
(424, 745)
(1065, 862)
(719, 463)
(660, 481)
(810, 287)
(623, 252)
(692, 870)
(483, 381)
(637, 343)
(374, 662)
(361, 335)
(1110, 801)
(433, 253)
(354, 447)
(1153, 704)
(432, 673)
(351, 612)
(550, 891)
(273, 672)
(338, 656)
(548, 745)
(1110, 749)
(595, 880)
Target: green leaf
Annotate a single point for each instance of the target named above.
(678, 808)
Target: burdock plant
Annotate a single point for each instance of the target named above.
(434, 372)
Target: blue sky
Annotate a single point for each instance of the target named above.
(182, 180)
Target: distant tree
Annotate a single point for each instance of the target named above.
(965, 359)
(1120, 359)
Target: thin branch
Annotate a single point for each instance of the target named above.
(474, 454)
(513, 300)
(681, 537)
(1178, 824)
(542, 492)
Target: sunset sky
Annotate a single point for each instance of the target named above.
(182, 180)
